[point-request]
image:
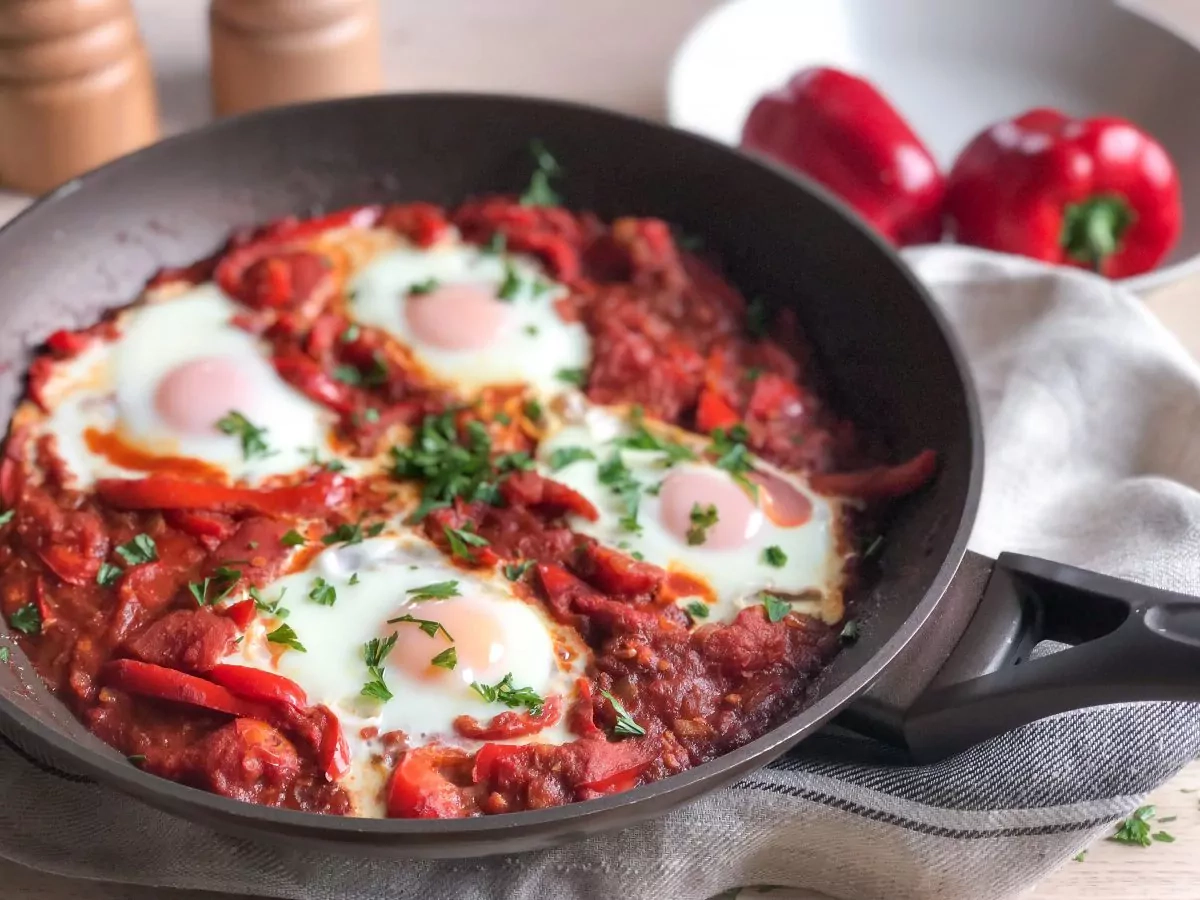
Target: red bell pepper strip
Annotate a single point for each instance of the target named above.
(334, 752)
(162, 492)
(149, 680)
(511, 724)
(838, 129)
(1096, 193)
(419, 790)
(255, 684)
(307, 376)
(879, 482)
(241, 613)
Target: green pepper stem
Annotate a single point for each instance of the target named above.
(1093, 229)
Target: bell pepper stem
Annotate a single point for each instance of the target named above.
(1093, 229)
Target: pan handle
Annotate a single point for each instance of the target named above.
(1130, 643)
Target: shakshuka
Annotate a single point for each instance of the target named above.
(420, 512)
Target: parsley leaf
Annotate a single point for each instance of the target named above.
(643, 438)
(697, 610)
(515, 571)
(3, 654)
(577, 377)
(514, 462)
(375, 651)
(776, 608)
(353, 579)
(428, 626)
(27, 619)
(108, 575)
(346, 533)
(141, 549)
(872, 549)
(286, 636)
(504, 692)
(849, 632)
(323, 592)
(7, 516)
(292, 538)
(615, 475)
(460, 538)
(1136, 829)
(729, 448)
(539, 192)
(253, 438)
(511, 285)
(350, 334)
(273, 608)
(533, 409)
(774, 556)
(703, 518)
(428, 286)
(447, 659)
(564, 456)
(625, 726)
(447, 466)
(223, 580)
(437, 591)
(497, 243)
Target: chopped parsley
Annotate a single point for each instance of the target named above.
(872, 548)
(756, 318)
(292, 538)
(497, 243)
(375, 651)
(286, 636)
(7, 516)
(136, 759)
(353, 580)
(774, 556)
(140, 549)
(644, 439)
(703, 518)
(3, 654)
(108, 575)
(428, 626)
(849, 632)
(577, 377)
(776, 608)
(440, 590)
(514, 462)
(752, 374)
(1079, 857)
(375, 375)
(216, 587)
(428, 286)
(564, 456)
(511, 285)
(1135, 830)
(447, 659)
(253, 438)
(504, 419)
(512, 697)
(350, 334)
(371, 414)
(273, 608)
(533, 409)
(447, 466)
(461, 540)
(351, 533)
(531, 330)
(539, 192)
(615, 475)
(323, 592)
(516, 571)
(697, 610)
(729, 448)
(625, 726)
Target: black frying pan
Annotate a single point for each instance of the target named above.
(936, 621)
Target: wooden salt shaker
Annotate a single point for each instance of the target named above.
(76, 89)
(272, 52)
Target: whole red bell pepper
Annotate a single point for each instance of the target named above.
(1096, 193)
(839, 130)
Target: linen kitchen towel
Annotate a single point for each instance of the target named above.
(1091, 413)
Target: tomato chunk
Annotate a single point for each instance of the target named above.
(420, 788)
(714, 412)
(255, 684)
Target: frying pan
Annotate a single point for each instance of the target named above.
(942, 658)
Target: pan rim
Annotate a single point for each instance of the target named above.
(637, 804)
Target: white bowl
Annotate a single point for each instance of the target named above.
(954, 66)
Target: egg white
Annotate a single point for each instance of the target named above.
(534, 345)
(332, 670)
(111, 387)
(811, 577)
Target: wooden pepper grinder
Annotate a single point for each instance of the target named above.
(272, 52)
(76, 89)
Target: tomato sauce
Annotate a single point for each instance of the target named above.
(121, 637)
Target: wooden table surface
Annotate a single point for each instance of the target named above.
(588, 52)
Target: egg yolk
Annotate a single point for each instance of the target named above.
(194, 395)
(481, 642)
(456, 316)
(738, 517)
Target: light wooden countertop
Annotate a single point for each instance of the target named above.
(588, 52)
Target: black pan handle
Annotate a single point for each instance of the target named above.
(1130, 642)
